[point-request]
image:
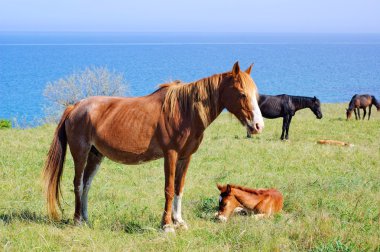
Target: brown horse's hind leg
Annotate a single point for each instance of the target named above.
(80, 154)
(180, 174)
(93, 162)
(171, 158)
(365, 112)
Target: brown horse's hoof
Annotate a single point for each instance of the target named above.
(168, 228)
(181, 225)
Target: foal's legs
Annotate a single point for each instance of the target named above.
(180, 174)
(93, 162)
(365, 112)
(369, 112)
(171, 158)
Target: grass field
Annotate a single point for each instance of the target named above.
(331, 193)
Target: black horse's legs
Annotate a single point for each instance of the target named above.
(93, 162)
(369, 112)
(283, 127)
(365, 112)
(287, 127)
(356, 115)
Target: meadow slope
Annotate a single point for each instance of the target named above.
(332, 194)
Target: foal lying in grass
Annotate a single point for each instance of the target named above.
(262, 202)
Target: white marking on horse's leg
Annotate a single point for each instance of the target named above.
(86, 189)
(222, 218)
(259, 216)
(177, 208)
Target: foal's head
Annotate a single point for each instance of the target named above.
(239, 96)
(227, 202)
(316, 107)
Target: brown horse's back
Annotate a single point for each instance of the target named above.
(362, 101)
(102, 122)
(272, 202)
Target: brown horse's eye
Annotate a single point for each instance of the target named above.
(243, 96)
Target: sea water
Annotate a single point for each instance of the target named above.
(331, 67)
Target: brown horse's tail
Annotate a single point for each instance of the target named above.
(54, 166)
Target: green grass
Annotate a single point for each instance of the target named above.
(332, 194)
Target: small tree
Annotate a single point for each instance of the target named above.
(91, 81)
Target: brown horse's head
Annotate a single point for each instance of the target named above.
(239, 96)
(227, 203)
(348, 113)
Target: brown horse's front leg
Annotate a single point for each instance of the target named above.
(171, 158)
(180, 174)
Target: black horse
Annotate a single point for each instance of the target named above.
(286, 106)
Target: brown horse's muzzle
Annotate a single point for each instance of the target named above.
(254, 127)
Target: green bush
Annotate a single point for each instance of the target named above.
(5, 124)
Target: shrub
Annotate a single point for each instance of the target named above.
(5, 124)
(91, 81)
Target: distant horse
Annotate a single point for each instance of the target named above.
(262, 202)
(361, 102)
(286, 106)
(168, 123)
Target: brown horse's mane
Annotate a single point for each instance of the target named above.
(199, 98)
(168, 84)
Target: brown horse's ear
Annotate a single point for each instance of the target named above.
(220, 187)
(248, 71)
(235, 69)
(228, 190)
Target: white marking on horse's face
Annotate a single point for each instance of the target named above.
(220, 199)
(258, 121)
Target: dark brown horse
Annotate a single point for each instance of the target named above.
(361, 102)
(168, 123)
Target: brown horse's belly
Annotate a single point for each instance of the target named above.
(129, 157)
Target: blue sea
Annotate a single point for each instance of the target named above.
(332, 67)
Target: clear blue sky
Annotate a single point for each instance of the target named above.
(318, 16)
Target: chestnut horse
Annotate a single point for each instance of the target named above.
(262, 202)
(168, 123)
(361, 102)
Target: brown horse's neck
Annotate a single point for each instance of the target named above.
(197, 101)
